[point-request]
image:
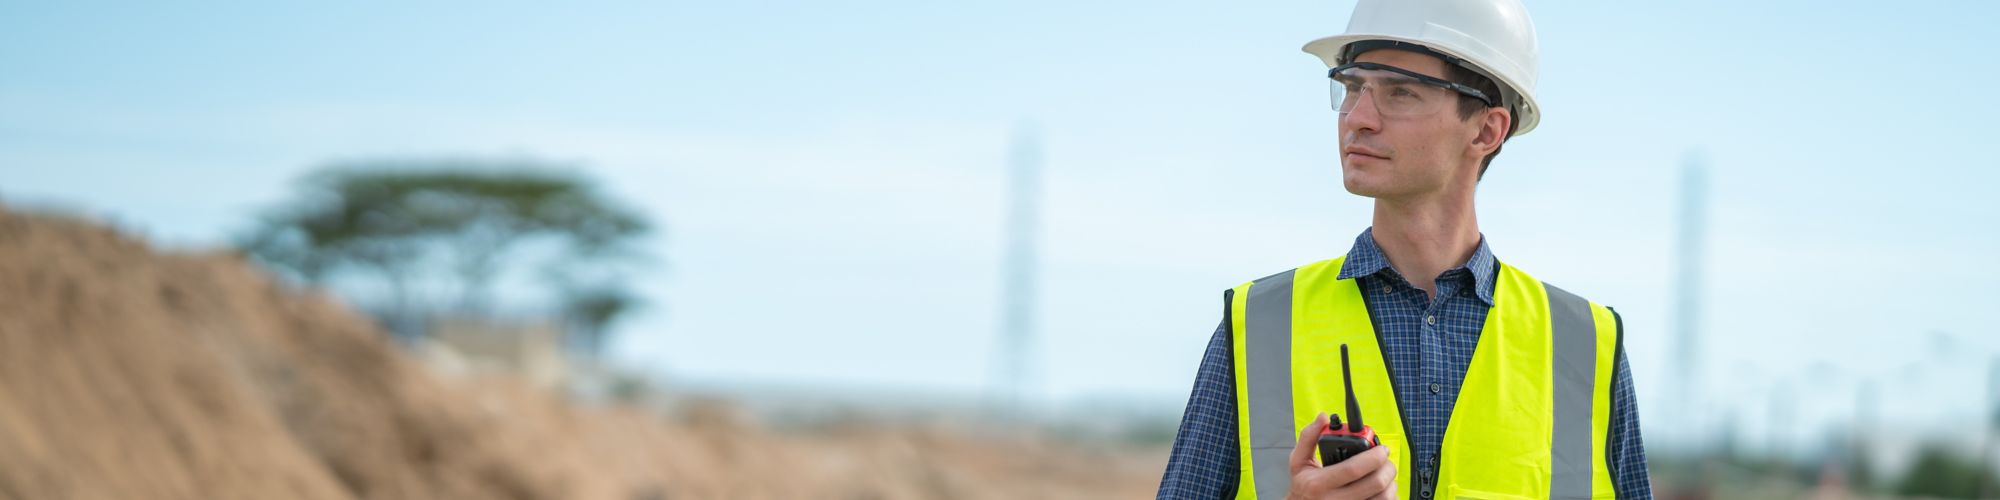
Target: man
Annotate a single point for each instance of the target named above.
(1480, 381)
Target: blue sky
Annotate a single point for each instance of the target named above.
(829, 175)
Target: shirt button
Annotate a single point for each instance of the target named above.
(1435, 388)
(1430, 320)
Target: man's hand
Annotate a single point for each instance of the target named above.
(1367, 476)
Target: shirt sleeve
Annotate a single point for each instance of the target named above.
(1626, 450)
(1205, 462)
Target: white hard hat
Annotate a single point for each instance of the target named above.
(1492, 37)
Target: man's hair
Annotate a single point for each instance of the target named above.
(1467, 106)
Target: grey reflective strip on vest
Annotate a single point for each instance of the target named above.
(1267, 358)
(1575, 339)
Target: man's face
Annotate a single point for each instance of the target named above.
(1396, 157)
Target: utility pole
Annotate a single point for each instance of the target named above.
(1017, 279)
(1687, 297)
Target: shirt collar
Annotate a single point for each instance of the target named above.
(1367, 259)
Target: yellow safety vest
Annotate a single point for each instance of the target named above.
(1532, 416)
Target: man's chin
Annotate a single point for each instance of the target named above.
(1360, 187)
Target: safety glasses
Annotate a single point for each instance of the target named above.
(1396, 92)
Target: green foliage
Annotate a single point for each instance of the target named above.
(1939, 472)
(400, 221)
(589, 310)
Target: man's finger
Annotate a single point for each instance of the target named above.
(1387, 494)
(1376, 481)
(1359, 466)
(1302, 455)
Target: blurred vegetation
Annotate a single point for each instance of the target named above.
(1938, 470)
(1941, 471)
(420, 229)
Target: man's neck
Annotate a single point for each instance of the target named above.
(1423, 238)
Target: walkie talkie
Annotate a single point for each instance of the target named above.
(1337, 443)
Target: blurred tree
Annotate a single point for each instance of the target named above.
(587, 313)
(1939, 472)
(399, 221)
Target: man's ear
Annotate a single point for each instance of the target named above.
(1493, 125)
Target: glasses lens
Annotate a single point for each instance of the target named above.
(1394, 95)
(1345, 89)
(1339, 94)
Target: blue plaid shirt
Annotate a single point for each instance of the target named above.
(1426, 363)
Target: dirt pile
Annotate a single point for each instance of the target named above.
(131, 373)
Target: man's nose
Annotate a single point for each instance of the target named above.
(1362, 116)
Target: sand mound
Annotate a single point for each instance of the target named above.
(131, 373)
